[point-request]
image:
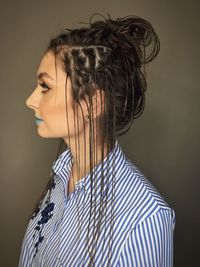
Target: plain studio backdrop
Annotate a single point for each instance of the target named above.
(164, 142)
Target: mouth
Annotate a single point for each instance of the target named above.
(38, 120)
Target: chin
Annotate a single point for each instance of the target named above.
(47, 134)
(42, 133)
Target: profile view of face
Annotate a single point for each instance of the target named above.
(52, 103)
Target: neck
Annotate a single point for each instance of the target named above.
(84, 158)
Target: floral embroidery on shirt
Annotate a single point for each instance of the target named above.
(46, 214)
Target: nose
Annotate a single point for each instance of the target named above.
(28, 103)
(33, 101)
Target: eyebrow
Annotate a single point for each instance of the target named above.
(44, 74)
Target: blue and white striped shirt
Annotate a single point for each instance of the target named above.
(142, 228)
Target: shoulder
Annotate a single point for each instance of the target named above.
(143, 219)
(137, 198)
(149, 243)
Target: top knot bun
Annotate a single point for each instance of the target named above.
(130, 31)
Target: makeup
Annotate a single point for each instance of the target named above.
(38, 121)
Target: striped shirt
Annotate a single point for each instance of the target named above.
(140, 220)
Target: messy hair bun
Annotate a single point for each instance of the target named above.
(130, 32)
(110, 54)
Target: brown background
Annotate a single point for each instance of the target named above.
(164, 142)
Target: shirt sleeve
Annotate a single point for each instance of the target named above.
(150, 244)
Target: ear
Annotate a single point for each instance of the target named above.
(93, 107)
(97, 104)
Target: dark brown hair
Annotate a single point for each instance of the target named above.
(111, 54)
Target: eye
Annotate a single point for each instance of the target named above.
(44, 86)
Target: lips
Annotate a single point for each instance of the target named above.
(38, 118)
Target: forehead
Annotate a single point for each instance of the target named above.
(49, 64)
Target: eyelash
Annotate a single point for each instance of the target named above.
(43, 85)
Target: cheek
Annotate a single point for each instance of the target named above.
(52, 110)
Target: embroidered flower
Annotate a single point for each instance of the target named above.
(51, 185)
(46, 215)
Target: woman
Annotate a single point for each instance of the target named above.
(98, 209)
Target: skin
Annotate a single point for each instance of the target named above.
(63, 118)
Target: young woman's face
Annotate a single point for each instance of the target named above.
(54, 105)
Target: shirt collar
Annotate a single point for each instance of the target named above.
(110, 167)
(62, 166)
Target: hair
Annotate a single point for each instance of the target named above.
(108, 55)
